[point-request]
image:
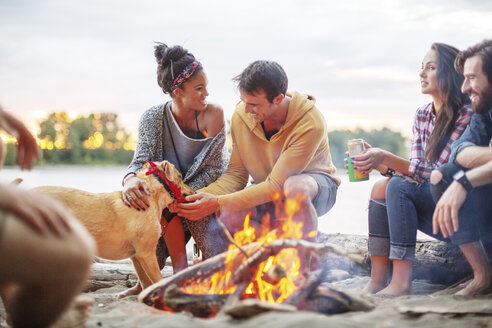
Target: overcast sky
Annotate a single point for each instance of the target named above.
(360, 59)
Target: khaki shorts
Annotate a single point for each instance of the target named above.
(323, 202)
(327, 193)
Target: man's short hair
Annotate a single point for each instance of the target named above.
(482, 49)
(264, 75)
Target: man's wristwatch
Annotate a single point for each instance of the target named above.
(461, 178)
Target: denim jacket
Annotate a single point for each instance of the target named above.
(478, 133)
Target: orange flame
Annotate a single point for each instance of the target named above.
(287, 261)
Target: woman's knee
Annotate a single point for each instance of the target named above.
(394, 185)
(435, 177)
(379, 188)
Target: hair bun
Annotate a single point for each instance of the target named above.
(164, 54)
(171, 61)
(160, 52)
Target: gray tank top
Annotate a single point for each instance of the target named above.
(185, 148)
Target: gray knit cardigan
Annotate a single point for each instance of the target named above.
(155, 143)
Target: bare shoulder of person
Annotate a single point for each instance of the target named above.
(214, 119)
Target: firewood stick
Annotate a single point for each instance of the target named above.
(235, 297)
(308, 288)
(231, 239)
(277, 245)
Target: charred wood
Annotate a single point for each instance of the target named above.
(203, 305)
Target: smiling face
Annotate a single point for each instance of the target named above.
(193, 93)
(476, 85)
(428, 74)
(258, 106)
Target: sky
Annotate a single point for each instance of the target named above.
(360, 59)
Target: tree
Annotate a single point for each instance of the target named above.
(93, 139)
(383, 138)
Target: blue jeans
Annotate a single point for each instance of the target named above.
(409, 207)
(480, 203)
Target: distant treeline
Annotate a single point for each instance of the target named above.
(82, 157)
(383, 138)
(98, 139)
(93, 139)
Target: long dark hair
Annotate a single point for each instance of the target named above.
(171, 61)
(449, 86)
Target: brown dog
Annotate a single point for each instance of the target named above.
(120, 231)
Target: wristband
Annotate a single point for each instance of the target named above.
(461, 178)
(389, 173)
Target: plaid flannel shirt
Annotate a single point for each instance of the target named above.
(423, 126)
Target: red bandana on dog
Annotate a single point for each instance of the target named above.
(153, 169)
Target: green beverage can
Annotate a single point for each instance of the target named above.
(355, 147)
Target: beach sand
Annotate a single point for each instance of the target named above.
(431, 306)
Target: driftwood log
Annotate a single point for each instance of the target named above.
(436, 261)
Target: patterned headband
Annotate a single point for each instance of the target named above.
(185, 74)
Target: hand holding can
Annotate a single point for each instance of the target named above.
(355, 147)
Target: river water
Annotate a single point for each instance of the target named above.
(349, 215)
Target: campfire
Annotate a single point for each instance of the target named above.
(261, 271)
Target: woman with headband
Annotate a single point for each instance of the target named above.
(190, 133)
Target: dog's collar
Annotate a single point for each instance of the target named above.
(153, 169)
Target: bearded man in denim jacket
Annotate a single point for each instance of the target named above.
(463, 187)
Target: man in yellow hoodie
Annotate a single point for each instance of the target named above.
(280, 139)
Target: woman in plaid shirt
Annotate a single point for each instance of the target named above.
(402, 203)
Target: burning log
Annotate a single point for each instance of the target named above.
(193, 274)
(276, 246)
(260, 263)
(274, 275)
(170, 294)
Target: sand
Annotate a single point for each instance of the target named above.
(431, 306)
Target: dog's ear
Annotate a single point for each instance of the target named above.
(171, 173)
(175, 177)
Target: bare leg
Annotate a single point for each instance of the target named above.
(401, 283)
(234, 221)
(476, 256)
(482, 274)
(46, 271)
(379, 274)
(304, 185)
(175, 241)
(135, 290)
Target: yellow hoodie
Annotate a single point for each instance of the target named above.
(301, 145)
